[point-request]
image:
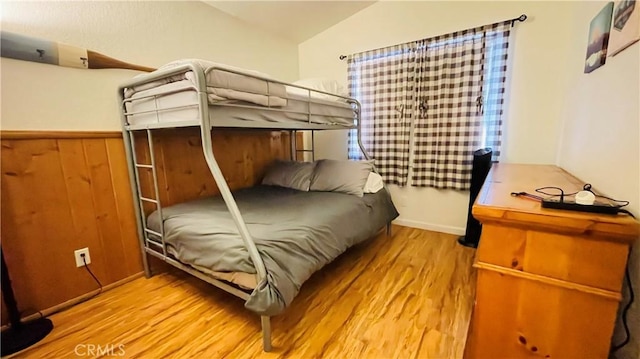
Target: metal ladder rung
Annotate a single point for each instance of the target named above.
(148, 200)
(143, 166)
(153, 243)
(152, 232)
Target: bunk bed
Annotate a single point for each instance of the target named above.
(259, 243)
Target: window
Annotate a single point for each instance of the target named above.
(437, 99)
(383, 83)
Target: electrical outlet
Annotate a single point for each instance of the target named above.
(78, 254)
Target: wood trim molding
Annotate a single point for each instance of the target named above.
(48, 135)
(71, 302)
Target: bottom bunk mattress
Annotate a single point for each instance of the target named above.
(295, 232)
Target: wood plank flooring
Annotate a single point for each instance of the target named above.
(405, 296)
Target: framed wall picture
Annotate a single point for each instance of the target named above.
(625, 29)
(598, 39)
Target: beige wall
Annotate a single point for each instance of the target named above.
(45, 97)
(586, 123)
(538, 82)
(600, 141)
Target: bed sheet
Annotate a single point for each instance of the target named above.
(295, 232)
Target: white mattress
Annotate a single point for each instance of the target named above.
(178, 102)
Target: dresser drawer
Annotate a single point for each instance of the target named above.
(580, 260)
(517, 317)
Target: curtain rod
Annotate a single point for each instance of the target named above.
(520, 18)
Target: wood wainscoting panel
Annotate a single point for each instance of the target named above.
(243, 157)
(59, 195)
(123, 198)
(65, 191)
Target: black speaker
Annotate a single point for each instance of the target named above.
(479, 172)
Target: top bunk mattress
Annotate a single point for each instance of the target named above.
(295, 232)
(177, 102)
(236, 98)
(223, 83)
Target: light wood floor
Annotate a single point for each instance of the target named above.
(408, 296)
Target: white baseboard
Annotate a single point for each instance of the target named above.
(430, 226)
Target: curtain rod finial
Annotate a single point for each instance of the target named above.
(342, 57)
(520, 18)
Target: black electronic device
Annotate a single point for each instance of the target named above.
(479, 172)
(569, 205)
(581, 201)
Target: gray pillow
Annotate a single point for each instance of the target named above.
(341, 176)
(296, 175)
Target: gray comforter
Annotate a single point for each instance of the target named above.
(295, 232)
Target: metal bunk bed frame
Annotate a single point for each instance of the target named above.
(149, 238)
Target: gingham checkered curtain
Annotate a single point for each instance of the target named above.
(382, 80)
(460, 85)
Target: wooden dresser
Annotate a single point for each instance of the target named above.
(549, 281)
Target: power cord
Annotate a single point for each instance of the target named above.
(626, 212)
(626, 310)
(84, 261)
(586, 187)
(86, 266)
(562, 194)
